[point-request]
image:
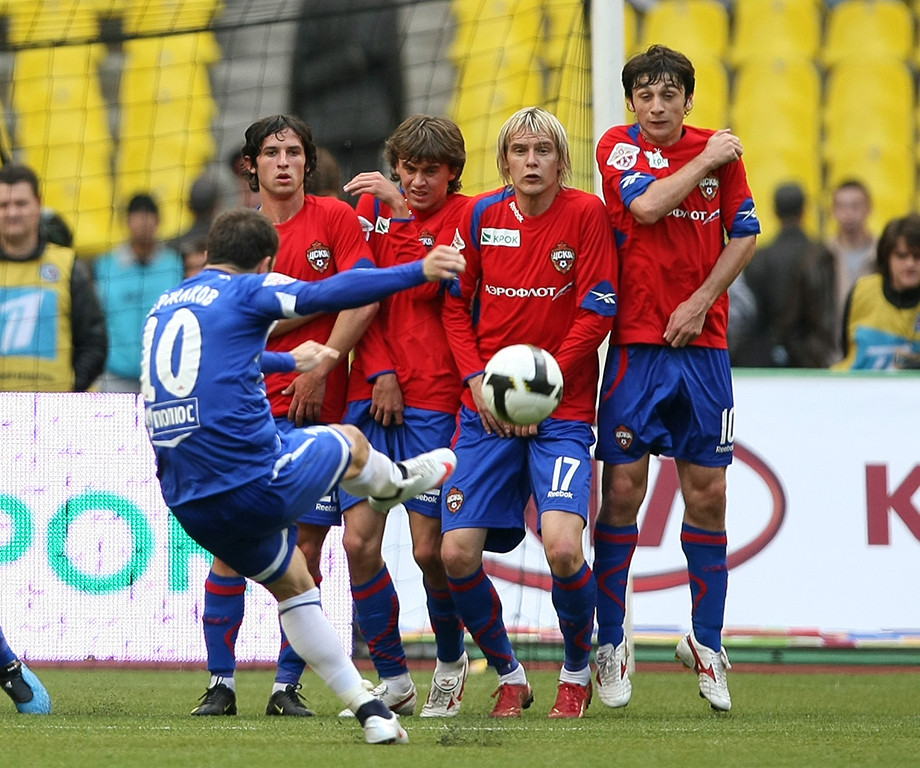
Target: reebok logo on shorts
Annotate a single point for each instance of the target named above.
(454, 500)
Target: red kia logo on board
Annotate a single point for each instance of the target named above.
(660, 498)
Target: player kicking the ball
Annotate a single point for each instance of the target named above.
(541, 269)
(232, 480)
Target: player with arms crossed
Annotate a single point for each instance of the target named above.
(673, 192)
(235, 483)
(320, 236)
(541, 266)
(404, 393)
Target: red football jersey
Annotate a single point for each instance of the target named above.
(545, 280)
(662, 264)
(324, 238)
(407, 336)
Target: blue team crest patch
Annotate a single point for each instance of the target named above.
(602, 299)
(276, 278)
(50, 273)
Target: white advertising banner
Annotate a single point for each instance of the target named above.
(823, 522)
(92, 564)
(823, 519)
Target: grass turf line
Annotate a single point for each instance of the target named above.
(130, 718)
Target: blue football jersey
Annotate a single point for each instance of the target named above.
(206, 410)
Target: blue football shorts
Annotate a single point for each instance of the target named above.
(665, 401)
(253, 528)
(326, 510)
(422, 431)
(495, 478)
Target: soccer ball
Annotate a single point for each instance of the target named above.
(522, 384)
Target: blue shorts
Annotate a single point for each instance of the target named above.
(253, 528)
(495, 478)
(421, 431)
(324, 511)
(666, 401)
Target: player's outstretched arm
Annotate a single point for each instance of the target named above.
(443, 263)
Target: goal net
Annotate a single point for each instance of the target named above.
(108, 98)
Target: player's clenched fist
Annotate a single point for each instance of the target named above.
(310, 354)
(443, 263)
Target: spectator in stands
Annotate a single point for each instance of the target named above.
(55, 341)
(326, 180)
(203, 202)
(853, 246)
(347, 78)
(882, 312)
(781, 335)
(245, 195)
(194, 256)
(131, 278)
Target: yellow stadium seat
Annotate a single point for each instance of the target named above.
(710, 99)
(62, 131)
(494, 49)
(36, 22)
(769, 166)
(696, 28)
(630, 30)
(567, 89)
(889, 174)
(771, 29)
(777, 101)
(867, 102)
(153, 16)
(858, 30)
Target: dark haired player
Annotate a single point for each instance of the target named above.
(685, 223)
(236, 484)
(404, 393)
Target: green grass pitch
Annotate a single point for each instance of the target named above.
(128, 718)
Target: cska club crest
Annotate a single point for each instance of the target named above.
(563, 258)
(319, 256)
(426, 239)
(454, 500)
(624, 436)
(709, 186)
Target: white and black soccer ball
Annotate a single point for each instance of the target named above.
(522, 384)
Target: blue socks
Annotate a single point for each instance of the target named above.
(613, 551)
(448, 629)
(224, 605)
(707, 567)
(481, 611)
(377, 610)
(574, 598)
